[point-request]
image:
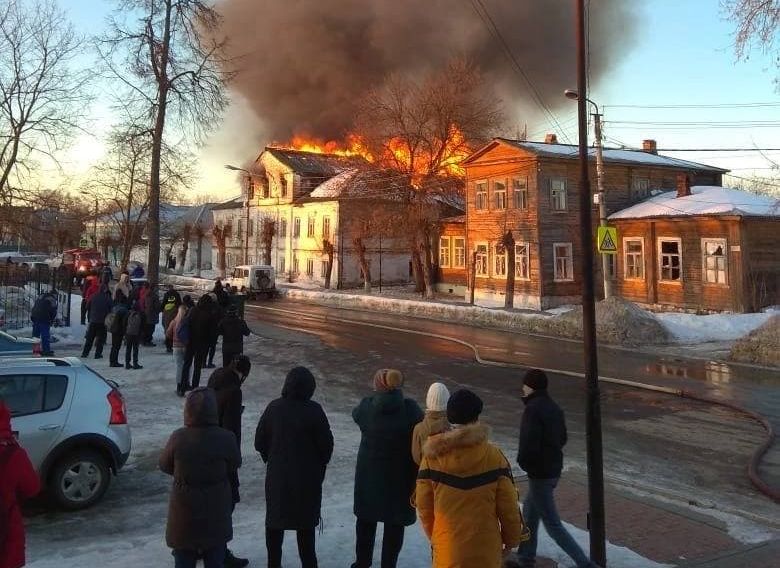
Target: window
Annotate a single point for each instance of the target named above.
(229, 260)
(562, 259)
(522, 261)
(444, 252)
(283, 185)
(240, 232)
(323, 268)
(520, 192)
(310, 227)
(640, 188)
(634, 259)
(499, 194)
(481, 268)
(295, 265)
(281, 265)
(558, 194)
(499, 261)
(250, 188)
(670, 259)
(283, 228)
(326, 228)
(459, 252)
(296, 227)
(32, 394)
(481, 195)
(250, 231)
(611, 266)
(310, 267)
(714, 261)
(266, 189)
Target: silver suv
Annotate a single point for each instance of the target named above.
(71, 421)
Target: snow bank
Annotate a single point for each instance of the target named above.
(761, 346)
(689, 328)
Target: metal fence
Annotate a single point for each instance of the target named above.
(20, 286)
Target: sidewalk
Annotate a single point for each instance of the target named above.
(667, 534)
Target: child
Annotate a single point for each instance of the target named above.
(133, 332)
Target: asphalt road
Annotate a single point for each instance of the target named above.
(660, 443)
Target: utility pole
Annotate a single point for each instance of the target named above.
(602, 200)
(596, 518)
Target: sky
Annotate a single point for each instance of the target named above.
(682, 55)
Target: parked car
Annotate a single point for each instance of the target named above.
(71, 421)
(254, 280)
(13, 346)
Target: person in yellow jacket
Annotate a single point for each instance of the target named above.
(466, 497)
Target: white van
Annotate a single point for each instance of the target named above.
(254, 280)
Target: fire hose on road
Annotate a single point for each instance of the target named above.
(753, 464)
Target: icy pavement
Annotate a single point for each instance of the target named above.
(127, 529)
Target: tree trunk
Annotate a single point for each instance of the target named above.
(473, 277)
(360, 249)
(221, 260)
(199, 256)
(185, 247)
(508, 242)
(417, 272)
(426, 252)
(329, 250)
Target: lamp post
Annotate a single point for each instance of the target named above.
(593, 443)
(602, 195)
(250, 175)
(94, 221)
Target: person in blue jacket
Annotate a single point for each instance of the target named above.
(43, 313)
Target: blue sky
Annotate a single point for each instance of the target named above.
(682, 55)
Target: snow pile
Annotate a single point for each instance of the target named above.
(690, 328)
(618, 321)
(760, 346)
(185, 283)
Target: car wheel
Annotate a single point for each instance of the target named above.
(79, 480)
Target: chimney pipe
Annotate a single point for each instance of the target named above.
(683, 185)
(650, 146)
(551, 139)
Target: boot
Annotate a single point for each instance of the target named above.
(136, 366)
(232, 561)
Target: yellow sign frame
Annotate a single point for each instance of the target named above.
(606, 240)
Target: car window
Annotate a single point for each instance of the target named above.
(31, 394)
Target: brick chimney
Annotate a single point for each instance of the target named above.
(683, 185)
(650, 146)
(551, 138)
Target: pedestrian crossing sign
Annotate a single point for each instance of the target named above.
(607, 240)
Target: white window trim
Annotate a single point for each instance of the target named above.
(448, 239)
(454, 264)
(486, 192)
(661, 279)
(487, 260)
(528, 259)
(496, 192)
(625, 259)
(495, 258)
(720, 240)
(565, 195)
(570, 256)
(524, 191)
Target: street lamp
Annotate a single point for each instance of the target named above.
(94, 222)
(602, 196)
(250, 175)
(593, 443)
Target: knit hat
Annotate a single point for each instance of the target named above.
(386, 380)
(464, 407)
(536, 379)
(437, 398)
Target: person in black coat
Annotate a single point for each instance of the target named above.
(201, 327)
(540, 455)
(233, 329)
(99, 307)
(226, 383)
(170, 307)
(294, 439)
(217, 311)
(200, 457)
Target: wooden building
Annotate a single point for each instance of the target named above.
(532, 190)
(700, 248)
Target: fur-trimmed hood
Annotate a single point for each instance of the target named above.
(458, 438)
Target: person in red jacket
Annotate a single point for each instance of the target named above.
(18, 480)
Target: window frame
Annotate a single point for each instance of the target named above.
(281, 264)
(722, 241)
(520, 190)
(311, 227)
(283, 228)
(326, 227)
(638, 193)
(486, 272)
(518, 257)
(447, 248)
(569, 257)
(45, 378)
(500, 192)
(296, 265)
(323, 268)
(310, 267)
(497, 255)
(455, 248)
(564, 191)
(296, 228)
(481, 192)
(626, 253)
(661, 254)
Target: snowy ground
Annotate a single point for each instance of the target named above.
(127, 529)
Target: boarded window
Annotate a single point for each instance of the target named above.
(715, 261)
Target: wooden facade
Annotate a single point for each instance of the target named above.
(532, 190)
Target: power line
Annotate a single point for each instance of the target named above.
(681, 106)
(719, 149)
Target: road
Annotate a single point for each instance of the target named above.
(678, 431)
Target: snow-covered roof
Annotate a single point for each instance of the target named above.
(611, 155)
(361, 183)
(704, 200)
(313, 163)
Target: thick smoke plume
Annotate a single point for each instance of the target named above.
(305, 63)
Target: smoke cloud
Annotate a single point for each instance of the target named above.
(305, 63)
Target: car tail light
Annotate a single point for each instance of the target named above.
(118, 411)
(37, 351)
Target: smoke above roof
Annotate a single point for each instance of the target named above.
(305, 63)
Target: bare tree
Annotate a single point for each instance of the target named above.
(200, 234)
(221, 234)
(756, 26)
(422, 129)
(42, 96)
(508, 244)
(267, 234)
(330, 251)
(169, 55)
(186, 235)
